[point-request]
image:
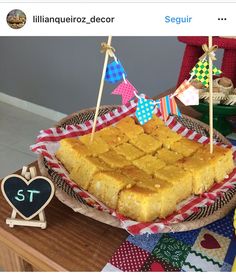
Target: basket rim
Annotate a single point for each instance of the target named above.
(216, 133)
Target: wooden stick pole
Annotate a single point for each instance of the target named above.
(211, 95)
(101, 89)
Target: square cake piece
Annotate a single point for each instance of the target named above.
(70, 152)
(180, 179)
(146, 205)
(166, 136)
(112, 136)
(114, 160)
(185, 147)
(202, 173)
(141, 178)
(129, 151)
(221, 160)
(149, 164)
(146, 143)
(83, 172)
(128, 126)
(153, 124)
(169, 157)
(97, 146)
(106, 186)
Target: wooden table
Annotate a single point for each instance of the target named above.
(71, 242)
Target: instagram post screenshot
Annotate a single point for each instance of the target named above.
(117, 138)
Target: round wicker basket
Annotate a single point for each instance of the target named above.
(65, 194)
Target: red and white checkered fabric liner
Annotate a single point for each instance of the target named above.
(48, 142)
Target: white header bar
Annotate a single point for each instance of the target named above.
(121, 19)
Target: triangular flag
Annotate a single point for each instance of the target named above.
(189, 97)
(144, 110)
(126, 90)
(201, 72)
(114, 72)
(168, 106)
(187, 94)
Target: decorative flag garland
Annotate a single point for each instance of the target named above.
(187, 93)
(145, 108)
(202, 71)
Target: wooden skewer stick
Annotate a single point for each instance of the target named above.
(101, 89)
(211, 96)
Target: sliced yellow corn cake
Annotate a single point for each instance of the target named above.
(180, 179)
(129, 151)
(97, 146)
(112, 136)
(129, 127)
(166, 136)
(114, 160)
(70, 152)
(153, 124)
(146, 143)
(169, 157)
(83, 172)
(149, 164)
(185, 147)
(143, 172)
(221, 160)
(106, 186)
(141, 178)
(202, 173)
(145, 205)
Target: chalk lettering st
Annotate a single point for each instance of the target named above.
(32, 192)
(21, 197)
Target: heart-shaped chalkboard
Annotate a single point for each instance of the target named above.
(28, 198)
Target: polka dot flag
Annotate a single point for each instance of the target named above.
(144, 110)
(126, 90)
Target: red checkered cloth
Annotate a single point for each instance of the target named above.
(48, 142)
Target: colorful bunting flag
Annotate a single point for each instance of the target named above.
(114, 72)
(201, 71)
(126, 90)
(189, 97)
(187, 94)
(144, 110)
(168, 106)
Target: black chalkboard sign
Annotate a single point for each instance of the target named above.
(28, 198)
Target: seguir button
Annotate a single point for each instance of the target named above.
(178, 20)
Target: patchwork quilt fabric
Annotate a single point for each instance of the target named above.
(210, 248)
